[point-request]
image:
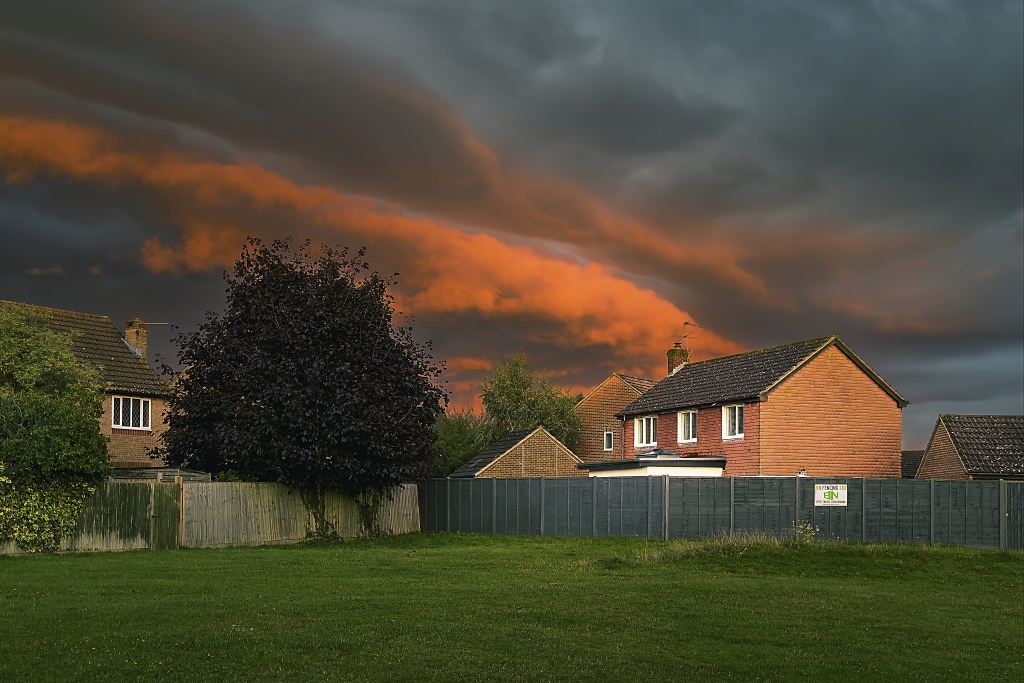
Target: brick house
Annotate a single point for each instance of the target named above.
(523, 453)
(601, 435)
(975, 447)
(812, 406)
(134, 395)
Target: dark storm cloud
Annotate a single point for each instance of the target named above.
(777, 170)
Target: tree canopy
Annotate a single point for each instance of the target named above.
(514, 397)
(305, 379)
(52, 454)
(50, 405)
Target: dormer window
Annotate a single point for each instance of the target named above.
(130, 413)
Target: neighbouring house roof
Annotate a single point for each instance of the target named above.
(96, 341)
(909, 462)
(493, 452)
(987, 444)
(741, 377)
(639, 384)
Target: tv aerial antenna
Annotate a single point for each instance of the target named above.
(686, 335)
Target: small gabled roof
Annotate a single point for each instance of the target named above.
(639, 384)
(988, 444)
(96, 341)
(741, 377)
(493, 452)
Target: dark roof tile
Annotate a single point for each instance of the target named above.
(96, 341)
(740, 377)
(988, 444)
(492, 453)
(909, 462)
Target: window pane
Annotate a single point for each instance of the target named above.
(145, 414)
(117, 412)
(135, 411)
(739, 419)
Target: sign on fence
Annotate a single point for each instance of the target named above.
(830, 495)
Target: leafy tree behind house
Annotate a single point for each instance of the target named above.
(52, 454)
(514, 397)
(305, 379)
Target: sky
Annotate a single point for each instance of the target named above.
(574, 179)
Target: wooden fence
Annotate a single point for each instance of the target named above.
(159, 516)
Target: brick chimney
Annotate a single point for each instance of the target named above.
(135, 334)
(677, 357)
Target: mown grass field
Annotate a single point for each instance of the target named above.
(471, 608)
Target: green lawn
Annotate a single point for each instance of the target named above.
(437, 607)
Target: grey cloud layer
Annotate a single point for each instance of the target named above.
(865, 160)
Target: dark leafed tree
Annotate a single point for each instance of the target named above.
(305, 380)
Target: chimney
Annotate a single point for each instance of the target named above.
(135, 335)
(677, 357)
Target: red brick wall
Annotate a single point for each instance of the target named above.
(598, 410)
(830, 419)
(129, 447)
(741, 454)
(940, 460)
(540, 455)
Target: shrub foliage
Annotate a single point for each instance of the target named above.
(52, 454)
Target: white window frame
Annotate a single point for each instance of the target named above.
(726, 426)
(609, 441)
(645, 427)
(684, 417)
(145, 413)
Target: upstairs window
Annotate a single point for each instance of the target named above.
(687, 426)
(609, 441)
(732, 422)
(645, 431)
(130, 413)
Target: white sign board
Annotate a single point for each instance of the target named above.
(830, 494)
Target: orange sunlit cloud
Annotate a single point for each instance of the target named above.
(445, 270)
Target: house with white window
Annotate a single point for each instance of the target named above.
(812, 407)
(134, 399)
(601, 430)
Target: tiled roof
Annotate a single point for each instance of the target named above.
(988, 444)
(740, 377)
(492, 453)
(909, 462)
(639, 384)
(96, 341)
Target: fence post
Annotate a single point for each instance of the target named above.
(542, 506)
(796, 513)
(732, 504)
(863, 509)
(931, 512)
(664, 507)
(649, 491)
(180, 481)
(593, 505)
(448, 505)
(494, 505)
(1002, 514)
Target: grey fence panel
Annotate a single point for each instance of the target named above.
(976, 513)
(1015, 517)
